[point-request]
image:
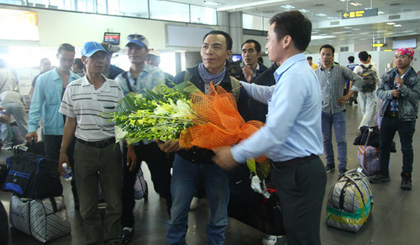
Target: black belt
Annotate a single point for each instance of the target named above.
(98, 144)
(294, 161)
(392, 114)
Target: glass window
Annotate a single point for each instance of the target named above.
(102, 6)
(14, 2)
(38, 3)
(86, 6)
(138, 8)
(203, 15)
(113, 7)
(252, 22)
(266, 24)
(164, 10)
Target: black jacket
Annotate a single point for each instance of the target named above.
(257, 110)
(199, 155)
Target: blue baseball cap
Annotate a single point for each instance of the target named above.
(138, 40)
(92, 47)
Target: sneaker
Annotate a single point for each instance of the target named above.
(269, 240)
(406, 181)
(127, 234)
(342, 171)
(329, 168)
(379, 178)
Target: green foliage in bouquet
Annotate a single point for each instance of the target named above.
(162, 113)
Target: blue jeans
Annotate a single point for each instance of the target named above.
(338, 120)
(185, 177)
(389, 127)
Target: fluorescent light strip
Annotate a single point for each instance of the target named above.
(211, 3)
(288, 6)
(247, 5)
(315, 37)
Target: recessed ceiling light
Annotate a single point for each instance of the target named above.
(288, 6)
(397, 25)
(390, 23)
(381, 12)
(314, 37)
(321, 15)
(304, 10)
(211, 3)
(343, 1)
(356, 4)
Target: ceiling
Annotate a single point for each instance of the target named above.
(326, 16)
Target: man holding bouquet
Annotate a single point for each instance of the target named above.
(191, 166)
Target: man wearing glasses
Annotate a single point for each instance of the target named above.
(400, 94)
(141, 76)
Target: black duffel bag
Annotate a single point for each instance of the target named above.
(32, 175)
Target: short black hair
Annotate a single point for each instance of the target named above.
(229, 41)
(363, 56)
(294, 24)
(309, 58)
(255, 42)
(66, 47)
(79, 63)
(370, 56)
(327, 46)
(351, 59)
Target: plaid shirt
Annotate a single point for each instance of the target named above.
(332, 82)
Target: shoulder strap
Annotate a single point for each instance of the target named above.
(236, 87)
(187, 75)
(125, 75)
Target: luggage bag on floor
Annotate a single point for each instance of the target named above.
(368, 157)
(140, 186)
(31, 175)
(350, 201)
(43, 219)
(252, 208)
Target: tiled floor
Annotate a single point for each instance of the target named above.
(395, 218)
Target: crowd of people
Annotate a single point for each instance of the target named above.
(70, 100)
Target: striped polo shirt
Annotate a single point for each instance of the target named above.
(87, 105)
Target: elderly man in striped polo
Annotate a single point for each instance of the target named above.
(97, 156)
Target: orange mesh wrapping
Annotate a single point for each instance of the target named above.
(217, 121)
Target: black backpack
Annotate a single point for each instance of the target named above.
(369, 79)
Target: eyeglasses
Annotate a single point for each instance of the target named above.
(136, 37)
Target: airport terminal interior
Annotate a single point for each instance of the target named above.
(33, 29)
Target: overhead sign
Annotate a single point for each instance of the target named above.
(378, 45)
(360, 13)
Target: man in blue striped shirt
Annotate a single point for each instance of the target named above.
(292, 137)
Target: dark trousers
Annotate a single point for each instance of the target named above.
(389, 126)
(159, 166)
(52, 145)
(301, 190)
